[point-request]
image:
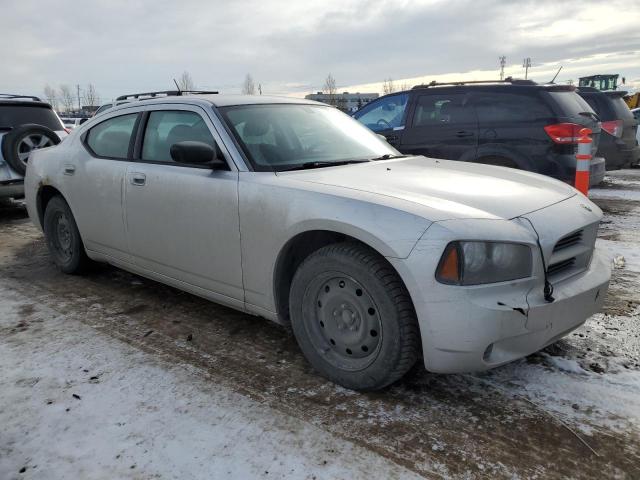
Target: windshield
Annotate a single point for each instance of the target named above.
(282, 137)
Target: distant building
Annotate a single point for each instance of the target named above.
(345, 101)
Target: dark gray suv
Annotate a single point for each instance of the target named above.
(512, 123)
(26, 124)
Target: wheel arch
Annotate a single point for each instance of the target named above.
(296, 250)
(43, 197)
(502, 152)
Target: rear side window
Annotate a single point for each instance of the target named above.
(111, 138)
(165, 128)
(442, 109)
(620, 108)
(15, 115)
(510, 107)
(570, 103)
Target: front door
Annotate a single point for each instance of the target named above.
(442, 125)
(386, 116)
(182, 221)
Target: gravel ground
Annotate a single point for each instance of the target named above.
(173, 386)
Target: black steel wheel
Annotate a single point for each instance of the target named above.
(353, 317)
(63, 238)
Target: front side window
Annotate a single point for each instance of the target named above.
(164, 128)
(282, 137)
(385, 113)
(442, 109)
(111, 138)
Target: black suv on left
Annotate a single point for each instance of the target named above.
(26, 123)
(511, 123)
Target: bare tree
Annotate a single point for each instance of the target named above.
(388, 86)
(66, 97)
(185, 82)
(404, 86)
(51, 95)
(90, 97)
(331, 90)
(249, 86)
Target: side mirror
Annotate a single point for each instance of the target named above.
(197, 153)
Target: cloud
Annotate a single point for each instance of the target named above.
(122, 46)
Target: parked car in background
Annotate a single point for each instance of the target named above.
(618, 142)
(512, 123)
(26, 124)
(72, 123)
(291, 210)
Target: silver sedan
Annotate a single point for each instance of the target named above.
(290, 210)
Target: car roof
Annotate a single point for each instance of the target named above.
(24, 103)
(217, 100)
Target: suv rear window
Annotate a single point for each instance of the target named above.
(15, 115)
(620, 108)
(571, 104)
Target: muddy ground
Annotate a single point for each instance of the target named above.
(545, 416)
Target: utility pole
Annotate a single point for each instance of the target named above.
(503, 61)
(526, 64)
(78, 90)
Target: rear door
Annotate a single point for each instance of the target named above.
(94, 178)
(441, 125)
(182, 221)
(386, 116)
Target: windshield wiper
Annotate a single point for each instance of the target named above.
(388, 156)
(309, 165)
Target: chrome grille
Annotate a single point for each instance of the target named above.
(568, 241)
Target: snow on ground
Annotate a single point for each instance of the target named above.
(93, 407)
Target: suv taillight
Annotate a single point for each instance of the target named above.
(613, 127)
(564, 132)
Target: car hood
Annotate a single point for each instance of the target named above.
(447, 189)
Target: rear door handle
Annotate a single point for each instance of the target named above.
(69, 169)
(138, 179)
(463, 133)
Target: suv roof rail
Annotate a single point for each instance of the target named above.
(14, 96)
(511, 80)
(164, 93)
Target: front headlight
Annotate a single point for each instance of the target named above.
(475, 263)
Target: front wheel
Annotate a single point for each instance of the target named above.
(63, 238)
(353, 318)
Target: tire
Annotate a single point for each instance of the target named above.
(63, 238)
(21, 141)
(497, 161)
(353, 318)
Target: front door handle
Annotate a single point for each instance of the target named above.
(138, 179)
(69, 169)
(463, 133)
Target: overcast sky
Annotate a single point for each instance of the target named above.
(290, 46)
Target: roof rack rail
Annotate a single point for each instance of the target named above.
(14, 96)
(164, 93)
(511, 80)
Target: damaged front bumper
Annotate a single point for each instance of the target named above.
(480, 327)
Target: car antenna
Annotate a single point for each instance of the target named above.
(556, 75)
(177, 86)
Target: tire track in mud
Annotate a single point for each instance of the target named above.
(436, 425)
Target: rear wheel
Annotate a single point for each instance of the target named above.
(353, 317)
(63, 238)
